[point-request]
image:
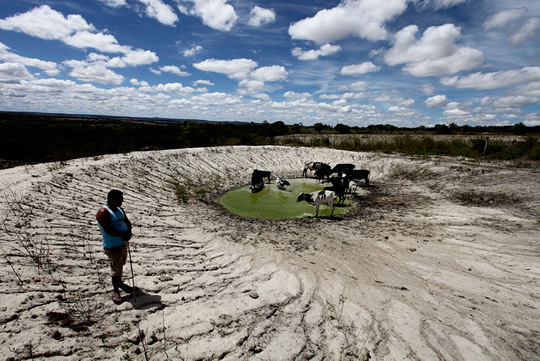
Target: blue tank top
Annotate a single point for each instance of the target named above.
(118, 222)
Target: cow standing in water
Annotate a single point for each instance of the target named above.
(257, 180)
(317, 198)
(340, 185)
(261, 174)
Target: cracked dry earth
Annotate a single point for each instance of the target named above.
(439, 261)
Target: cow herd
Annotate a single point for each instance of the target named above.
(343, 178)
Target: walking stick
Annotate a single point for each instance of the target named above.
(132, 274)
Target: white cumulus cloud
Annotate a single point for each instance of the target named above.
(140, 57)
(49, 67)
(45, 23)
(515, 101)
(137, 82)
(358, 86)
(513, 22)
(193, 50)
(114, 3)
(13, 72)
(202, 82)
(251, 86)
(503, 18)
(270, 73)
(260, 16)
(235, 69)
(524, 31)
(325, 50)
(494, 80)
(359, 69)
(216, 14)
(160, 11)
(360, 18)
(427, 89)
(168, 88)
(436, 101)
(292, 94)
(103, 42)
(94, 73)
(174, 70)
(434, 54)
(438, 4)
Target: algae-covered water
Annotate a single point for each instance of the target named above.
(272, 203)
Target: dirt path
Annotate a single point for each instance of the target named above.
(438, 262)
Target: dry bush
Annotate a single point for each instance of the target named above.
(410, 172)
(23, 242)
(82, 308)
(486, 199)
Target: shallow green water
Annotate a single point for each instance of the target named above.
(272, 203)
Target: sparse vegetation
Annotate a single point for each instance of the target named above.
(83, 309)
(350, 350)
(413, 174)
(24, 244)
(180, 190)
(483, 199)
(507, 147)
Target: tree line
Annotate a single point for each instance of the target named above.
(36, 138)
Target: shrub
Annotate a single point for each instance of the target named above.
(486, 198)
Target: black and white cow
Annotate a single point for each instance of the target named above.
(282, 183)
(317, 198)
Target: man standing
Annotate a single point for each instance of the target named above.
(115, 230)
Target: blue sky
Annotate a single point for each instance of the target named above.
(357, 62)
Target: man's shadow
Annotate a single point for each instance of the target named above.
(143, 301)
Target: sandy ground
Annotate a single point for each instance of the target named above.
(439, 261)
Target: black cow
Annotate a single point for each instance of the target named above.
(342, 168)
(257, 180)
(340, 185)
(324, 171)
(358, 174)
(257, 183)
(261, 174)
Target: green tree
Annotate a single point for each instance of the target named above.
(342, 129)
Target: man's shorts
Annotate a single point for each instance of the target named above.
(117, 259)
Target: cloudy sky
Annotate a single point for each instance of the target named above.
(356, 62)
